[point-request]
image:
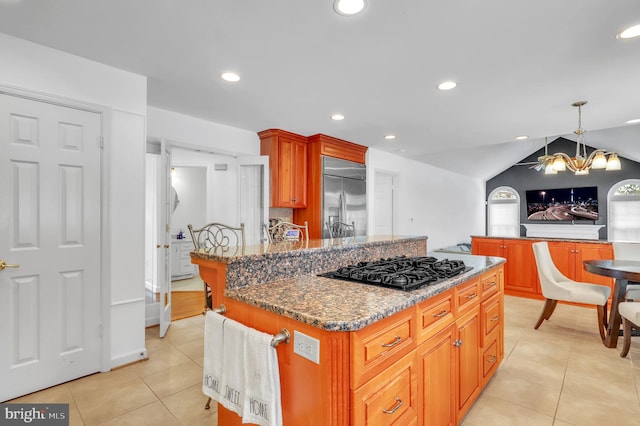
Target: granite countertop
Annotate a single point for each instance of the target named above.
(566, 240)
(298, 248)
(338, 305)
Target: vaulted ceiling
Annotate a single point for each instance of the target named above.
(519, 65)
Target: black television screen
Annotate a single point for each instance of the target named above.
(563, 204)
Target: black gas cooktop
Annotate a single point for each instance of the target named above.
(404, 273)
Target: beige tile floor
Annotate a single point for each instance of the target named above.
(560, 374)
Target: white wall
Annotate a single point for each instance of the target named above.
(35, 68)
(190, 132)
(442, 205)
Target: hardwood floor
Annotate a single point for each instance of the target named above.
(186, 304)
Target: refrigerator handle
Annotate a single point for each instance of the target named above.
(342, 207)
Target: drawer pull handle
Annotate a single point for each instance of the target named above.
(441, 314)
(495, 318)
(492, 359)
(471, 296)
(491, 284)
(457, 343)
(395, 407)
(396, 341)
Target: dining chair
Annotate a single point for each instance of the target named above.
(287, 231)
(216, 238)
(557, 287)
(628, 251)
(630, 313)
(341, 229)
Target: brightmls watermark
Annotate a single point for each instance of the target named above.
(34, 414)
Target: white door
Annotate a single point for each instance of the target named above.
(383, 204)
(254, 196)
(164, 237)
(50, 322)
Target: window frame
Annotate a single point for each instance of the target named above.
(515, 200)
(612, 197)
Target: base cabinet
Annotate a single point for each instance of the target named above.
(521, 274)
(421, 366)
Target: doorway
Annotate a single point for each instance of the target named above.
(206, 187)
(384, 205)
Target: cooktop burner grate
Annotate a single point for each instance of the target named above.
(404, 273)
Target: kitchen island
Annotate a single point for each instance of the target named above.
(374, 355)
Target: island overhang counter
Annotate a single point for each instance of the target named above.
(433, 348)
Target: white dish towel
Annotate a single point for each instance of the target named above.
(212, 368)
(232, 393)
(262, 404)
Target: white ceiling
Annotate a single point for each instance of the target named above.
(519, 65)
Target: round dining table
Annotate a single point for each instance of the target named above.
(623, 271)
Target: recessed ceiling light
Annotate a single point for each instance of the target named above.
(390, 137)
(230, 76)
(634, 121)
(337, 117)
(349, 7)
(630, 32)
(447, 85)
(521, 138)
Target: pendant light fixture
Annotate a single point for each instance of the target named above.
(581, 163)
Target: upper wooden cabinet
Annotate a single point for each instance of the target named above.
(287, 167)
(319, 145)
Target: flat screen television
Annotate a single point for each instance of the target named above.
(563, 204)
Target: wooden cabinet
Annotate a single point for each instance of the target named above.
(181, 266)
(287, 167)
(389, 398)
(467, 347)
(319, 145)
(569, 257)
(437, 390)
(521, 276)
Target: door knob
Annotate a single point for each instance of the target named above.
(4, 264)
(166, 246)
(157, 245)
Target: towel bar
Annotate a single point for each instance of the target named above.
(220, 310)
(283, 337)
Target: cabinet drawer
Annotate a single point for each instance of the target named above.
(489, 284)
(389, 398)
(490, 359)
(491, 312)
(434, 315)
(467, 296)
(376, 347)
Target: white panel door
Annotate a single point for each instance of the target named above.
(164, 237)
(50, 227)
(383, 204)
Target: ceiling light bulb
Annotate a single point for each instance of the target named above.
(634, 121)
(337, 117)
(521, 138)
(548, 168)
(559, 164)
(230, 76)
(599, 161)
(390, 137)
(348, 7)
(630, 32)
(614, 162)
(447, 85)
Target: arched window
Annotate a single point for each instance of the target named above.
(624, 211)
(504, 212)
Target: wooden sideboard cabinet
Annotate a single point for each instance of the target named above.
(287, 167)
(521, 274)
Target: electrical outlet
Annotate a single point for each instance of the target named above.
(306, 346)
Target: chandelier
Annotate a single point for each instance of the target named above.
(581, 163)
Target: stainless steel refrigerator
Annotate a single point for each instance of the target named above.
(344, 188)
